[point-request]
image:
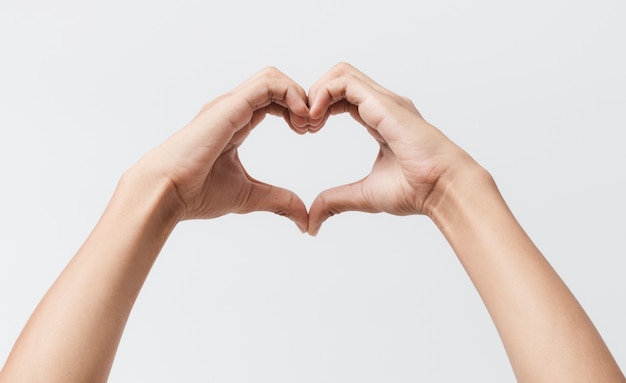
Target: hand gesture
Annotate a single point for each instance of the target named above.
(201, 160)
(413, 154)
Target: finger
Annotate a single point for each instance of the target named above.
(265, 197)
(294, 122)
(393, 120)
(340, 75)
(272, 86)
(346, 70)
(276, 110)
(235, 110)
(345, 89)
(348, 94)
(258, 116)
(226, 115)
(337, 200)
(345, 107)
(316, 124)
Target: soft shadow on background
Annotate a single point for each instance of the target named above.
(535, 91)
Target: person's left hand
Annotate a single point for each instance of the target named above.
(201, 160)
(413, 159)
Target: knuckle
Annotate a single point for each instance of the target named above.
(409, 102)
(271, 72)
(343, 67)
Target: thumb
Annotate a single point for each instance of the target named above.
(265, 197)
(337, 200)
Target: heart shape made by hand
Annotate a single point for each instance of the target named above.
(340, 153)
(412, 154)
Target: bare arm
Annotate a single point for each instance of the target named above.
(546, 333)
(74, 332)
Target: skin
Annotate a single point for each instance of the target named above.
(73, 334)
(546, 333)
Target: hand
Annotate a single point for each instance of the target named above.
(413, 157)
(201, 160)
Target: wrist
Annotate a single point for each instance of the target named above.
(150, 197)
(462, 188)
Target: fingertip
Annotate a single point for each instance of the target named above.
(315, 231)
(317, 109)
(302, 229)
(318, 213)
(316, 112)
(315, 222)
(302, 110)
(300, 122)
(298, 125)
(300, 131)
(301, 219)
(297, 106)
(301, 222)
(316, 124)
(314, 129)
(297, 212)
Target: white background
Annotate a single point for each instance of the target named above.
(535, 91)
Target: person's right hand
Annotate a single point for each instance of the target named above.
(414, 156)
(201, 160)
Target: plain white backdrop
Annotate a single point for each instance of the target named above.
(535, 91)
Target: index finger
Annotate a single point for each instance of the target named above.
(342, 82)
(271, 86)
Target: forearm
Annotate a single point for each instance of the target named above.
(546, 333)
(73, 334)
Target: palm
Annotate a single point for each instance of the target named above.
(225, 189)
(386, 189)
